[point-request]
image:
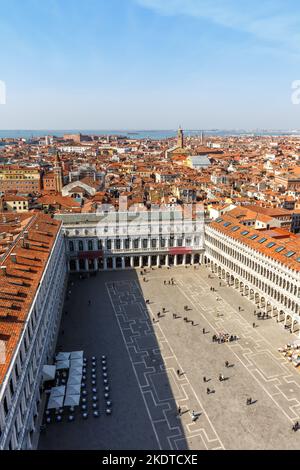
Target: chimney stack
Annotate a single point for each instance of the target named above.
(13, 257)
(2, 270)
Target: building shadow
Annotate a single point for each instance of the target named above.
(107, 315)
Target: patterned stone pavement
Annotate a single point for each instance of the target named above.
(145, 357)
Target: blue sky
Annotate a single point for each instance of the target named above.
(149, 64)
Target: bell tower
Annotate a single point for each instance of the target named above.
(180, 140)
(58, 174)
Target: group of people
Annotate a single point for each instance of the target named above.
(170, 282)
(224, 338)
(262, 315)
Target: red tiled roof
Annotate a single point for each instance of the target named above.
(20, 276)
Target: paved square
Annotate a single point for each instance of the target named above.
(144, 358)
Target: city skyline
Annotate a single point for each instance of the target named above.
(148, 64)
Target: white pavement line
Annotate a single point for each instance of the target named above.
(284, 364)
(190, 385)
(133, 368)
(231, 349)
(256, 330)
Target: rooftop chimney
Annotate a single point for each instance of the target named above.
(26, 234)
(13, 257)
(2, 270)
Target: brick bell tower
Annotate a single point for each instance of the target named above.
(58, 174)
(180, 138)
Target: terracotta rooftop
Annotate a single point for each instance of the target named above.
(21, 269)
(286, 252)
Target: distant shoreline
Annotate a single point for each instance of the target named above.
(144, 134)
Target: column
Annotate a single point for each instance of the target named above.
(114, 263)
(175, 260)
(149, 261)
(77, 264)
(123, 262)
(157, 260)
(86, 261)
(193, 259)
(167, 260)
(131, 262)
(105, 264)
(96, 264)
(184, 260)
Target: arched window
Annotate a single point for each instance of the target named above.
(80, 245)
(71, 246)
(90, 245)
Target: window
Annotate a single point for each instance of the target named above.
(5, 406)
(253, 237)
(245, 232)
(11, 387)
(99, 244)
(71, 246)
(280, 249)
(90, 245)
(80, 245)
(227, 224)
(235, 228)
(262, 240)
(289, 254)
(118, 244)
(271, 244)
(219, 220)
(108, 244)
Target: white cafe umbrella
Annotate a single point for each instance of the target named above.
(58, 391)
(75, 370)
(55, 402)
(60, 365)
(72, 400)
(48, 372)
(74, 380)
(73, 389)
(76, 362)
(63, 356)
(76, 355)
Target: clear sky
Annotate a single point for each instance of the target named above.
(149, 64)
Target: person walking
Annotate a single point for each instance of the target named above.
(192, 322)
(179, 411)
(226, 364)
(208, 391)
(194, 416)
(204, 379)
(253, 325)
(178, 372)
(203, 331)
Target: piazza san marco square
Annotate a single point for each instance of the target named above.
(169, 336)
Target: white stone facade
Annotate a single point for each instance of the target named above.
(271, 285)
(20, 392)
